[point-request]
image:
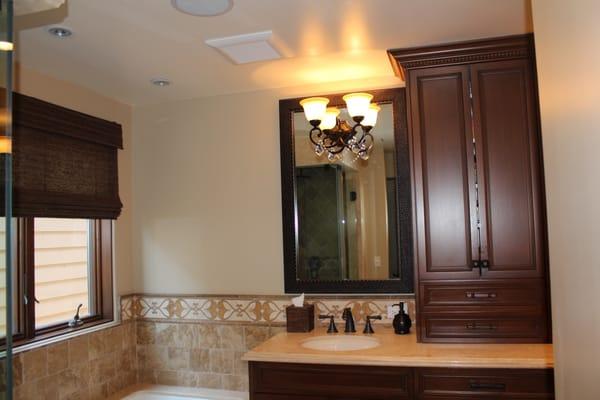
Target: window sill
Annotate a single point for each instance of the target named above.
(63, 334)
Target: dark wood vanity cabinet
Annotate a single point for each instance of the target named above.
(279, 381)
(478, 213)
(270, 381)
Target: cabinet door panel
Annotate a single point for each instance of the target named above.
(331, 381)
(507, 147)
(443, 175)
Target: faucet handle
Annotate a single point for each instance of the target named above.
(368, 327)
(332, 328)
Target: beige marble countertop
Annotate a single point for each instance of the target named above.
(403, 350)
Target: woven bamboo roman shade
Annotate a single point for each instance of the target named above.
(64, 162)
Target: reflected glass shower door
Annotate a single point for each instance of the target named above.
(6, 313)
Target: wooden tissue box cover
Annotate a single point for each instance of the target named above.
(300, 319)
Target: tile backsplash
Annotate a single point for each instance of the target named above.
(182, 340)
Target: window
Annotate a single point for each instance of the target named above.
(60, 263)
(65, 192)
(63, 269)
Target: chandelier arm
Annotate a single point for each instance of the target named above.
(372, 140)
(363, 130)
(319, 134)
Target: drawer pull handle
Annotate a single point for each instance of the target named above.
(500, 387)
(482, 327)
(476, 295)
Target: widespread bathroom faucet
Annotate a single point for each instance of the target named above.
(347, 316)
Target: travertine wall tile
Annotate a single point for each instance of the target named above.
(35, 364)
(200, 360)
(221, 361)
(91, 366)
(255, 335)
(58, 357)
(79, 350)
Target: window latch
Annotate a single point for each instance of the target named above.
(76, 321)
(27, 300)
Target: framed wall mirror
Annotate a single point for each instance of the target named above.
(346, 215)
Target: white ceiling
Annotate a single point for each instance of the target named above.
(119, 45)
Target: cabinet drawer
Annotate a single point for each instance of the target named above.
(482, 383)
(330, 381)
(483, 294)
(476, 329)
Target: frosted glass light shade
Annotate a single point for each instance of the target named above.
(357, 103)
(314, 108)
(330, 119)
(371, 116)
(5, 145)
(6, 46)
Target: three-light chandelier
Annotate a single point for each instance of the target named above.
(332, 135)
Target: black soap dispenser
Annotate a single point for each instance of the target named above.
(402, 322)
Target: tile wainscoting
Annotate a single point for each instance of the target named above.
(199, 340)
(90, 366)
(172, 340)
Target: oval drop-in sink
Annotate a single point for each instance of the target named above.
(340, 343)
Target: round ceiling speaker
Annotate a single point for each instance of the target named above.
(203, 8)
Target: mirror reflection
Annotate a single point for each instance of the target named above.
(346, 218)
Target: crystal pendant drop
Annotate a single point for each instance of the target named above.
(331, 157)
(319, 150)
(355, 148)
(363, 155)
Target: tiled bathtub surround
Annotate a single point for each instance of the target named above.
(90, 366)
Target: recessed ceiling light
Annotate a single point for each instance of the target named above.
(203, 8)
(160, 82)
(60, 32)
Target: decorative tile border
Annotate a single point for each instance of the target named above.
(268, 310)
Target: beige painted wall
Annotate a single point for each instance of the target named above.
(207, 195)
(567, 37)
(75, 97)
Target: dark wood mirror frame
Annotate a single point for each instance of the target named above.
(287, 107)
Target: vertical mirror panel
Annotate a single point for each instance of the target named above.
(6, 203)
(346, 209)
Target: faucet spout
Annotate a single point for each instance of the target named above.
(347, 316)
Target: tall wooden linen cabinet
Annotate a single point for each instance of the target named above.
(478, 194)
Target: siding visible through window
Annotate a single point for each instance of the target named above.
(62, 269)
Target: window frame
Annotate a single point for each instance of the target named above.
(102, 297)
